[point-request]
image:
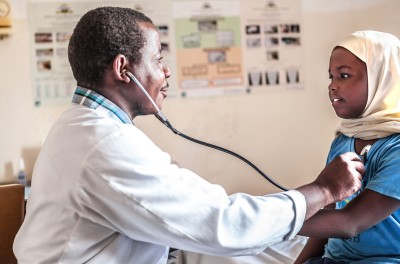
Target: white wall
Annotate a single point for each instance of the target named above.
(286, 134)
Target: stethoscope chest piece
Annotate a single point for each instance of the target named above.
(364, 152)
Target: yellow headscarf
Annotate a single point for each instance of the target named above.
(381, 53)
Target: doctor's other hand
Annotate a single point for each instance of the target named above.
(342, 176)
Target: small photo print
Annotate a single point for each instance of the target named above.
(216, 56)
(163, 29)
(63, 36)
(191, 41)
(44, 52)
(46, 37)
(255, 78)
(291, 41)
(270, 29)
(295, 28)
(252, 29)
(253, 42)
(208, 25)
(272, 77)
(272, 55)
(225, 38)
(292, 75)
(164, 47)
(285, 28)
(43, 65)
(271, 42)
(290, 28)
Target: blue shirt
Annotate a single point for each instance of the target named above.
(380, 243)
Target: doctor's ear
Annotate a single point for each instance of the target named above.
(119, 68)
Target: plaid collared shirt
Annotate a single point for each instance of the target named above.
(96, 101)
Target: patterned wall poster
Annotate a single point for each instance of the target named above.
(208, 47)
(50, 27)
(272, 45)
(217, 47)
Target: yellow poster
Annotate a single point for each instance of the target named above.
(208, 47)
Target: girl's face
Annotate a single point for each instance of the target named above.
(348, 90)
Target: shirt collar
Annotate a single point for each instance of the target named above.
(93, 100)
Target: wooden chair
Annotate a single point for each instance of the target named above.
(12, 211)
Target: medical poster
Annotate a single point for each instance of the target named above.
(50, 27)
(160, 12)
(208, 47)
(215, 47)
(272, 45)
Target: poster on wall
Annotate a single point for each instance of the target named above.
(208, 47)
(50, 27)
(273, 47)
(215, 47)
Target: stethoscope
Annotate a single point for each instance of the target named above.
(160, 116)
(364, 152)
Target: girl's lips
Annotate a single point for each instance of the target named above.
(335, 99)
(336, 102)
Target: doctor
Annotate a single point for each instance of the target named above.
(103, 192)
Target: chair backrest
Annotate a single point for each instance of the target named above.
(12, 211)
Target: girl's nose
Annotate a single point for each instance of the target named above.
(332, 87)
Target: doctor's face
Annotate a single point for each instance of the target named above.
(151, 72)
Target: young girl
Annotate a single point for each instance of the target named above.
(365, 91)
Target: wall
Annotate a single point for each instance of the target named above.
(286, 134)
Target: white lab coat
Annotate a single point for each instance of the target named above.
(103, 192)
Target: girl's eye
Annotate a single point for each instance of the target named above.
(330, 77)
(344, 75)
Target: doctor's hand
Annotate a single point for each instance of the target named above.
(338, 180)
(342, 176)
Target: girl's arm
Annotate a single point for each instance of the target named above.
(361, 213)
(313, 248)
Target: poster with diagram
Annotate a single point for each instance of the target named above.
(215, 47)
(50, 27)
(273, 47)
(208, 47)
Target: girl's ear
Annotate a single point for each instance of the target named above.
(119, 68)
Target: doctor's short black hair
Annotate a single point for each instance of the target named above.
(100, 35)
